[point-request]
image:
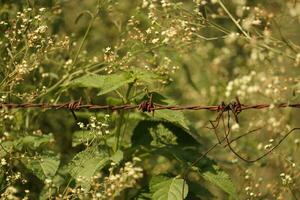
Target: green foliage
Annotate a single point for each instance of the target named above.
(86, 163)
(126, 52)
(45, 167)
(220, 179)
(165, 188)
(106, 83)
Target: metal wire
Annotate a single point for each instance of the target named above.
(145, 106)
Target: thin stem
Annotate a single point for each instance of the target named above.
(83, 40)
(118, 131)
(234, 20)
(119, 136)
(248, 36)
(292, 192)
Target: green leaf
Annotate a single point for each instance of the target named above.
(6, 148)
(50, 164)
(114, 101)
(142, 133)
(35, 167)
(162, 136)
(220, 179)
(143, 196)
(176, 117)
(46, 166)
(117, 157)
(86, 163)
(82, 136)
(106, 83)
(144, 75)
(32, 141)
(2, 176)
(164, 188)
(198, 191)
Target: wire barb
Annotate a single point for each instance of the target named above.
(147, 105)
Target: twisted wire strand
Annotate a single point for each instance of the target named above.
(145, 106)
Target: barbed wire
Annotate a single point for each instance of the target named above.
(146, 106)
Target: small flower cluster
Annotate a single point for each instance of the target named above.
(96, 126)
(107, 187)
(242, 86)
(252, 189)
(10, 193)
(286, 179)
(116, 182)
(294, 9)
(96, 129)
(27, 46)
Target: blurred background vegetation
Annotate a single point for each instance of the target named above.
(187, 52)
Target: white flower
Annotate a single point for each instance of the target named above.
(235, 127)
(154, 41)
(3, 162)
(80, 124)
(42, 9)
(256, 22)
(48, 181)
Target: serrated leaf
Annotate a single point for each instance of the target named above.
(176, 117)
(82, 136)
(86, 163)
(45, 166)
(145, 75)
(106, 83)
(163, 188)
(35, 167)
(32, 141)
(162, 136)
(6, 148)
(142, 136)
(50, 164)
(220, 179)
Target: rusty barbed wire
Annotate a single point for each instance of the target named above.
(145, 106)
(235, 107)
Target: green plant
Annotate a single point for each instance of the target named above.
(122, 52)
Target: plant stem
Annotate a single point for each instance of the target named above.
(119, 136)
(234, 20)
(248, 37)
(83, 40)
